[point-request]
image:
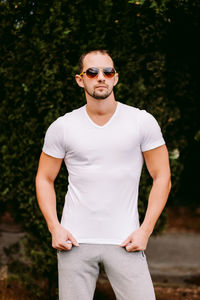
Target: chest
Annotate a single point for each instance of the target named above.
(89, 145)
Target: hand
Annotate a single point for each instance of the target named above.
(62, 239)
(136, 241)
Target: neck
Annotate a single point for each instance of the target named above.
(101, 106)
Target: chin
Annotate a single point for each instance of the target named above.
(100, 97)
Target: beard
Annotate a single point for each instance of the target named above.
(99, 95)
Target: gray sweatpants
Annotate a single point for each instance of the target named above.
(128, 272)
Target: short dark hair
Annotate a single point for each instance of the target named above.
(81, 59)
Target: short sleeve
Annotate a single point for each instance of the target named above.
(54, 140)
(151, 135)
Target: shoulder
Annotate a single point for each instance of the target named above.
(147, 120)
(128, 109)
(67, 119)
(139, 115)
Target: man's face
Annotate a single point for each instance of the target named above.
(99, 87)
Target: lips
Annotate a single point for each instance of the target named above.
(101, 86)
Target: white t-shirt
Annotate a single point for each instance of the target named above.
(104, 164)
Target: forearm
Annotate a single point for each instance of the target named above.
(46, 197)
(156, 203)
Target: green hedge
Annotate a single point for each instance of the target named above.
(41, 42)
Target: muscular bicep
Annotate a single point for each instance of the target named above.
(157, 162)
(49, 167)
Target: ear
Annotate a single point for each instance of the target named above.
(116, 78)
(79, 80)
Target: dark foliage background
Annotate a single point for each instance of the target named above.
(155, 48)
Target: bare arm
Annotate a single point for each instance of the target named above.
(47, 172)
(157, 162)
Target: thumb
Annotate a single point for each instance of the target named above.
(126, 242)
(72, 239)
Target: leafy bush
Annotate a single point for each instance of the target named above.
(41, 43)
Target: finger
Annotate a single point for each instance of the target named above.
(73, 240)
(131, 247)
(60, 248)
(66, 246)
(126, 242)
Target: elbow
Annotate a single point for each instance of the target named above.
(37, 181)
(169, 184)
(38, 178)
(164, 181)
(41, 179)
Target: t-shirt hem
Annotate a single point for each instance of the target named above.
(99, 241)
(153, 145)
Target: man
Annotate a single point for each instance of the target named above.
(103, 144)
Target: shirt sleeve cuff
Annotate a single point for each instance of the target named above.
(53, 153)
(154, 145)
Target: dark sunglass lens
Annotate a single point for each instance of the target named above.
(92, 72)
(109, 72)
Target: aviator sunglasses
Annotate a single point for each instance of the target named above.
(93, 72)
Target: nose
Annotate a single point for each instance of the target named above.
(100, 76)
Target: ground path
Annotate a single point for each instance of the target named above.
(173, 258)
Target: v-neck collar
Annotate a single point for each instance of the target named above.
(108, 122)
